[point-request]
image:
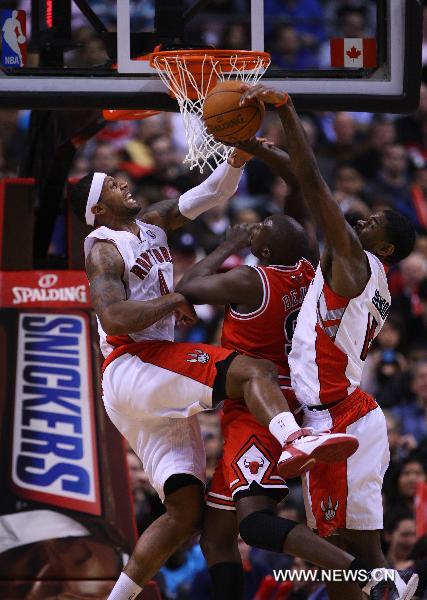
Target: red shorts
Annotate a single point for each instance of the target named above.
(193, 361)
(250, 455)
(347, 495)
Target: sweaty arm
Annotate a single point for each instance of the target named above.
(242, 285)
(344, 264)
(118, 316)
(216, 190)
(295, 205)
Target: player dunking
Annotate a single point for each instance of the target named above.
(153, 387)
(262, 307)
(344, 310)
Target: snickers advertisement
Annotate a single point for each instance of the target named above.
(66, 517)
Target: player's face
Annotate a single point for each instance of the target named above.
(371, 232)
(259, 237)
(118, 198)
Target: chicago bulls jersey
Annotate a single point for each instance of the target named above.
(267, 332)
(148, 274)
(333, 336)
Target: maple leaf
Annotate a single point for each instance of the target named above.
(353, 53)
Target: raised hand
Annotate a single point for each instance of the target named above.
(239, 157)
(262, 93)
(240, 235)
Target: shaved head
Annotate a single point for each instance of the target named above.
(282, 239)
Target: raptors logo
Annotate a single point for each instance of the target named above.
(253, 465)
(198, 356)
(329, 511)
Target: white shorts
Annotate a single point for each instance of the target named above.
(152, 392)
(347, 495)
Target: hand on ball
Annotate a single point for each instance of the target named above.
(262, 93)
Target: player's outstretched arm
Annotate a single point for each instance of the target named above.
(118, 316)
(296, 207)
(349, 263)
(215, 190)
(202, 285)
(322, 204)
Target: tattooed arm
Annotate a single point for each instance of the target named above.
(117, 315)
(165, 214)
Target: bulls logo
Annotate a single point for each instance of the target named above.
(253, 465)
(329, 511)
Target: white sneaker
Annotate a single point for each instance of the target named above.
(305, 447)
(395, 585)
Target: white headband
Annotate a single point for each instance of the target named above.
(32, 526)
(94, 194)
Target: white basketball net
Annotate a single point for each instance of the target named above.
(173, 70)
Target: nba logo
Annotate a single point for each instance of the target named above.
(13, 38)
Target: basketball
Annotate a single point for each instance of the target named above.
(21, 39)
(225, 119)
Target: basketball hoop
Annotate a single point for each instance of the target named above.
(128, 115)
(190, 75)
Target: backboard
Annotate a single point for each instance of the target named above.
(329, 54)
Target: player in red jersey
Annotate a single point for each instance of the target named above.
(262, 309)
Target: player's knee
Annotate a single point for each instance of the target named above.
(185, 523)
(184, 504)
(264, 529)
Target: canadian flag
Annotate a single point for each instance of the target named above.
(354, 53)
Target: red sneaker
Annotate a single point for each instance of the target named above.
(304, 447)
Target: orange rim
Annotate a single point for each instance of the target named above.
(195, 57)
(128, 115)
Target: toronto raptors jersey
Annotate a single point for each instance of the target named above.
(267, 332)
(148, 274)
(333, 336)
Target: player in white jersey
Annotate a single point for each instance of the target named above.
(344, 309)
(153, 387)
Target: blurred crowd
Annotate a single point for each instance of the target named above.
(369, 161)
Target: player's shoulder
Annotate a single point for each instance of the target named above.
(102, 233)
(245, 273)
(286, 271)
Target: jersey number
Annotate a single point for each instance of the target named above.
(369, 336)
(289, 327)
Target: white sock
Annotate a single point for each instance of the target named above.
(282, 425)
(125, 589)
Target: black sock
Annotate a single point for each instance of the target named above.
(227, 581)
(360, 565)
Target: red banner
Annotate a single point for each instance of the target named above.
(59, 289)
